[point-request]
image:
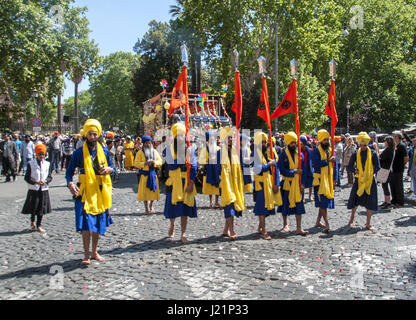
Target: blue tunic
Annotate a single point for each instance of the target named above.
(321, 201)
(180, 209)
(285, 209)
(370, 202)
(260, 206)
(307, 175)
(84, 221)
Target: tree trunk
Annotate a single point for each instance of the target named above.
(76, 116)
(59, 113)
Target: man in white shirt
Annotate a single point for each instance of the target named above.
(27, 152)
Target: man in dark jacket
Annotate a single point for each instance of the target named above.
(10, 156)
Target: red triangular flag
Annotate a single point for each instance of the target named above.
(289, 102)
(330, 109)
(264, 110)
(238, 101)
(179, 92)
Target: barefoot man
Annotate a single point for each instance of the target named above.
(180, 197)
(208, 158)
(266, 186)
(292, 187)
(232, 182)
(92, 194)
(147, 160)
(365, 164)
(323, 179)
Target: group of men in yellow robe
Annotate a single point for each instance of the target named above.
(278, 180)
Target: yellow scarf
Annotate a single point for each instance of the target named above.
(292, 184)
(365, 176)
(271, 199)
(325, 179)
(179, 193)
(232, 182)
(95, 201)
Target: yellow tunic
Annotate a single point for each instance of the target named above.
(128, 161)
(232, 182)
(144, 194)
(207, 188)
(271, 199)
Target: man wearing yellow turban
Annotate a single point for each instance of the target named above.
(208, 159)
(231, 182)
(180, 196)
(292, 186)
(92, 194)
(147, 160)
(267, 192)
(364, 163)
(323, 182)
(128, 152)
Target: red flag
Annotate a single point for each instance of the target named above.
(330, 106)
(179, 92)
(288, 103)
(331, 111)
(264, 110)
(238, 101)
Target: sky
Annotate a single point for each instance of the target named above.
(117, 25)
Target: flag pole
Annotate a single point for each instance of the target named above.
(185, 60)
(262, 70)
(332, 71)
(294, 72)
(238, 110)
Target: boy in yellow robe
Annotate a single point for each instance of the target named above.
(147, 160)
(128, 152)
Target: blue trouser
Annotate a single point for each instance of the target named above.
(55, 155)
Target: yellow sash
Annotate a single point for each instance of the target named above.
(179, 193)
(232, 182)
(95, 201)
(325, 179)
(365, 176)
(292, 184)
(271, 199)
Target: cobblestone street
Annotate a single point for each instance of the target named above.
(141, 263)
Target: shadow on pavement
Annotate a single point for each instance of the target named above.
(68, 266)
(405, 222)
(15, 233)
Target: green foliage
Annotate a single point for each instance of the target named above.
(85, 106)
(111, 88)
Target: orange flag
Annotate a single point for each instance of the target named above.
(331, 111)
(179, 92)
(264, 113)
(238, 101)
(289, 102)
(264, 109)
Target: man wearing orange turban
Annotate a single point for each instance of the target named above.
(93, 191)
(38, 177)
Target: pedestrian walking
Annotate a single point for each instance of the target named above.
(365, 164)
(266, 185)
(38, 177)
(323, 165)
(180, 196)
(93, 192)
(399, 163)
(10, 156)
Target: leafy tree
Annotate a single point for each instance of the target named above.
(84, 103)
(111, 88)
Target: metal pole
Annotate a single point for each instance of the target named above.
(37, 107)
(276, 85)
